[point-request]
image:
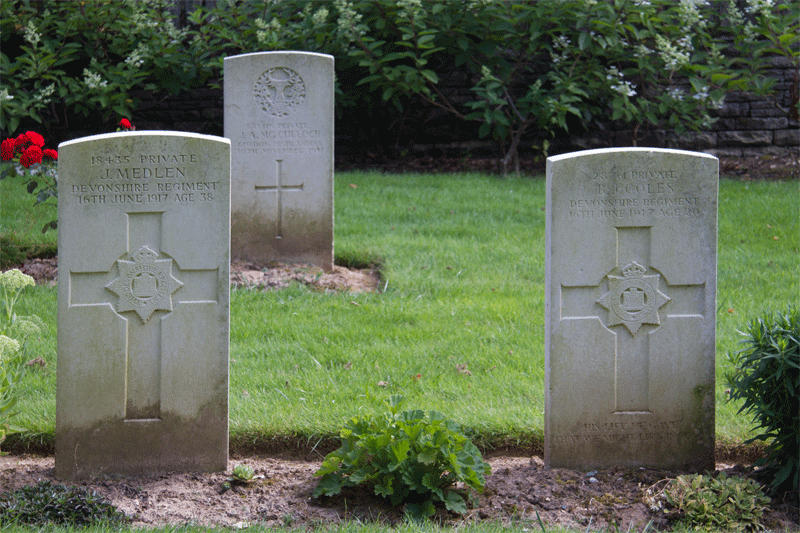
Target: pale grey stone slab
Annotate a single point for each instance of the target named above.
(143, 304)
(631, 255)
(279, 118)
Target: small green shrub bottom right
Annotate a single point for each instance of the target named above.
(709, 503)
(766, 375)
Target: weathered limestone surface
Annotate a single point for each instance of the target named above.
(143, 304)
(279, 118)
(631, 251)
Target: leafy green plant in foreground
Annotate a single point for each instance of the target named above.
(720, 504)
(410, 457)
(14, 333)
(766, 376)
(46, 502)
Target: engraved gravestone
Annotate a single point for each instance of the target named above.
(143, 304)
(630, 283)
(279, 118)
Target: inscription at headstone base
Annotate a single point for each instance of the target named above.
(143, 304)
(279, 119)
(630, 309)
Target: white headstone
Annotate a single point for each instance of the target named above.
(631, 255)
(143, 304)
(279, 118)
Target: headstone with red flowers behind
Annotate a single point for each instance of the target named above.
(143, 304)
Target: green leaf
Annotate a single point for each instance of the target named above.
(400, 451)
(420, 511)
(583, 40)
(428, 457)
(454, 502)
(329, 485)
(386, 487)
(430, 76)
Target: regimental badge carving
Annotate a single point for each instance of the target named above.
(144, 285)
(279, 91)
(633, 299)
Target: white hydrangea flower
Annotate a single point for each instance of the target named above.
(349, 22)
(561, 45)
(320, 17)
(702, 94)
(25, 326)
(267, 30)
(477, 4)
(676, 93)
(673, 56)
(625, 88)
(138, 56)
(8, 347)
(93, 80)
(32, 34)
(14, 280)
(43, 95)
(760, 7)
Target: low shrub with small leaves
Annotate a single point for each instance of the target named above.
(410, 457)
(719, 504)
(766, 376)
(48, 503)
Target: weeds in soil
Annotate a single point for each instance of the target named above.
(49, 503)
(409, 457)
(718, 503)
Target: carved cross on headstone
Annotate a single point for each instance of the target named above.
(144, 285)
(279, 189)
(632, 300)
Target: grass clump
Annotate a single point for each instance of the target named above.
(49, 503)
(409, 457)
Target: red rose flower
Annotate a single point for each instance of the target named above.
(31, 156)
(21, 142)
(125, 123)
(7, 149)
(35, 138)
(52, 154)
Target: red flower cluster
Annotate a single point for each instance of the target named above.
(30, 146)
(125, 123)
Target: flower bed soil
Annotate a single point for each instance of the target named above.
(517, 489)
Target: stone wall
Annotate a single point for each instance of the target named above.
(747, 125)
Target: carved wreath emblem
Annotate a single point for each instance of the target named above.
(633, 299)
(144, 285)
(279, 91)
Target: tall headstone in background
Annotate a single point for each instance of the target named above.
(279, 119)
(631, 256)
(143, 304)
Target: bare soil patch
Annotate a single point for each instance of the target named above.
(265, 277)
(517, 489)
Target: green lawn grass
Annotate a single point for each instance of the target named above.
(21, 222)
(463, 308)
